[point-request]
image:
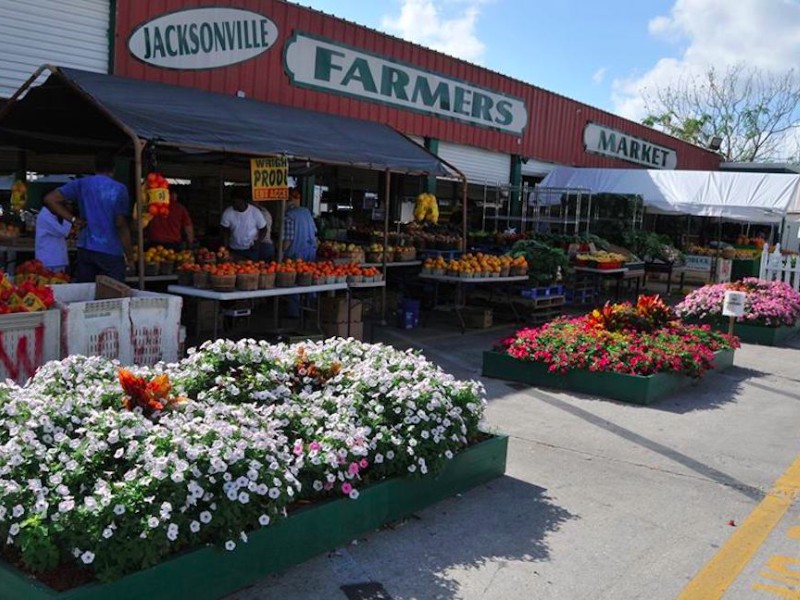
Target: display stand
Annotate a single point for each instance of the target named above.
(600, 274)
(460, 296)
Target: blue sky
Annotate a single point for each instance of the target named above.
(607, 53)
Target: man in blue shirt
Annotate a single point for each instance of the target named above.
(104, 241)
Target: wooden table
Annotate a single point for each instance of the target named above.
(460, 297)
(392, 265)
(669, 268)
(218, 297)
(599, 274)
(353, 288)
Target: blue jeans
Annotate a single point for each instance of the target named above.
(90, 264)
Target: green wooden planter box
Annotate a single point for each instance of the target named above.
(759, 334)
(211, 573)
(635, 389)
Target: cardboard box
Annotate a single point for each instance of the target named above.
(340, 330)
(107, 288)
(334, 310)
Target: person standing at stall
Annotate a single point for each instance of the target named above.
(243, 227)
(104, 243)
(266, 250)
(299, 240)
(299, 230)
(174, 229)
(51, 241)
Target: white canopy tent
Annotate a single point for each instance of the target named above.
(752, 197)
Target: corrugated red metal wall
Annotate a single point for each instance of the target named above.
(555, 124)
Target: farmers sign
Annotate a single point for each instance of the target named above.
(202, 38)
(323, 64)
(616, 144)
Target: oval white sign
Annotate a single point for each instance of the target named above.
(202, 38)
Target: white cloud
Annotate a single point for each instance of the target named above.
(449, 26)
(760, 33)
(599, 75)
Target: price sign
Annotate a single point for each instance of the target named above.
(733, 304)
(269, 179)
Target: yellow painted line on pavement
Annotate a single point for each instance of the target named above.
(722, 570)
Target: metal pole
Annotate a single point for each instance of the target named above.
(464, 194)
(386, 192)
(140, 208)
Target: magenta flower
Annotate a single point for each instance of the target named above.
(346, 489)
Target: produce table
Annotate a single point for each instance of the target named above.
(371, 298)
(389, 265)
(460, 296)
(599, 274)
(669, 268)
(10, 247)
(218, 297)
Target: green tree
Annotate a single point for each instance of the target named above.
(756, 114)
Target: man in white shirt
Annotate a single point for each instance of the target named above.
(243, 228)
(51, 240)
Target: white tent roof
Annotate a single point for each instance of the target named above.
(757, 197)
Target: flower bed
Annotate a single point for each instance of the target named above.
(104, 473)
(632, 353)
(772, 310)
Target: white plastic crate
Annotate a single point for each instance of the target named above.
(141, 330)
(27, 341)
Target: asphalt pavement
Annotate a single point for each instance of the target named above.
(601, 500)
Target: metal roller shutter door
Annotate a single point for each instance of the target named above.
(68, 33)
(480, 166)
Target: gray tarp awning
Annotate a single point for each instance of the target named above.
(80, 111)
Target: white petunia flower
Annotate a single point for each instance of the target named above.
(87, 557)
(230, 545)
(263, 520)
(194, 526)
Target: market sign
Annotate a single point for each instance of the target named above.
(325, 65)
(616, 144)
(202, 38)
(269, 178)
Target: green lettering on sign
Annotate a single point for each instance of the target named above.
(359, 71)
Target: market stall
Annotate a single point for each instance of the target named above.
(194, 128)
(96, 111)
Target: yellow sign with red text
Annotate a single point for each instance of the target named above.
(269, 179)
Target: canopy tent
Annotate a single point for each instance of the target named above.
(55, 114)
(753, 197)
(74, 112)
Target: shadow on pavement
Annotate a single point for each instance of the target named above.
(773, 390)
(712, 392)
(698, 467)
(506, 520)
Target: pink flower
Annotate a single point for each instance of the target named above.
(314, 446)
(364, 463)
(346, 489)
(353, 470)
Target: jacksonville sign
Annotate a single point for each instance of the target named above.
(202, 38)
(324, 65)
(611, 142)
